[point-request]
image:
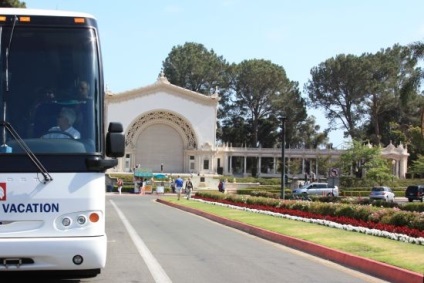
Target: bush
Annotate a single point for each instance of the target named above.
(382, 203)
(265, 194)
(401, 218)
(346, 211)
(413, 206)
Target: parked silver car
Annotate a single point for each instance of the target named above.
(382, 193)
(317, 189)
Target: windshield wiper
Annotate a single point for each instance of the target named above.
(7, 126)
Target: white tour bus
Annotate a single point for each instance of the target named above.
(55, 146)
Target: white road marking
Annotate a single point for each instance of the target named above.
(159, 275)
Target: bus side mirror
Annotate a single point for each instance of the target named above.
(115, 140)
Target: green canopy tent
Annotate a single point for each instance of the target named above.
(143, 173)
(159, 176)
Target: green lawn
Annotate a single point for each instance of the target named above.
(403, 255)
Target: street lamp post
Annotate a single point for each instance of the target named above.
(283, 163)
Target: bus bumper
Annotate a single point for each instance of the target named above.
(48, 254)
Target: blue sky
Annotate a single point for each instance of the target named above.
(138, 35)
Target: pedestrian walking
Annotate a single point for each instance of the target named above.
(221, 186)
(143, 187)
(173, 186)
(188, 188)
(179, 182)
(120, 183)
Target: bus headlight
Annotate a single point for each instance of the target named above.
(81, 220)
(66, 221)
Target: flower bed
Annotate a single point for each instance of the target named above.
(298, 210)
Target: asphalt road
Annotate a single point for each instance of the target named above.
(152, 242)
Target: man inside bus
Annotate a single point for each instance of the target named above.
(64, 128)
(84, 90)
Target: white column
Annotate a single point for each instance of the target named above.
(244, 164)
(211, 165)
(259, 165)
(274, 166)
(403, 166)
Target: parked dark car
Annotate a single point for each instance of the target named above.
(382, 193)
(415, 192)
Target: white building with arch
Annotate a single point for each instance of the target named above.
(171, 129)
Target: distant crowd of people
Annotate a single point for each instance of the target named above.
(177, 186)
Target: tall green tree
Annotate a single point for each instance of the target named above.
(418, 53)
(365, 161)
(417, 166)
(12, 4)
(309, 135)
(390, 70)
(262, 92)
(294, 107)
(235, 131)
(196, 68)
(337, 86)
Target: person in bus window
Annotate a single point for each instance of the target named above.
(84, 90)
(64, 128)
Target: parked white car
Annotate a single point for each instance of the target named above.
(382, 193)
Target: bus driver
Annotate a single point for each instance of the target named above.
(64, 128)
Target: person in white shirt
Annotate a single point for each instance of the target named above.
(188, 188)
(64, 128)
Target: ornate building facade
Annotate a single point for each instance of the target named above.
(171, 129)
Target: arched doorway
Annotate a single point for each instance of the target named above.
(160, 137)
(160, 144)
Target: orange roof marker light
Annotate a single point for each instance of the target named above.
(79, 20)
(24, 19)
(2, 18)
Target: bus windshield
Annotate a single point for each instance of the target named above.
(50, 89)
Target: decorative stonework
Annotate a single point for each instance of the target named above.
(392, 150)
(163, 117)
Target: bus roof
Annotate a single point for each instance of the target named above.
(42, 12)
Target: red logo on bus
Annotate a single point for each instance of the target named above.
(2, 191)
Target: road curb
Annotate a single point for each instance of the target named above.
(371, 267)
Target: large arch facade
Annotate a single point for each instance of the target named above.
(166, 127)
(158, 140)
